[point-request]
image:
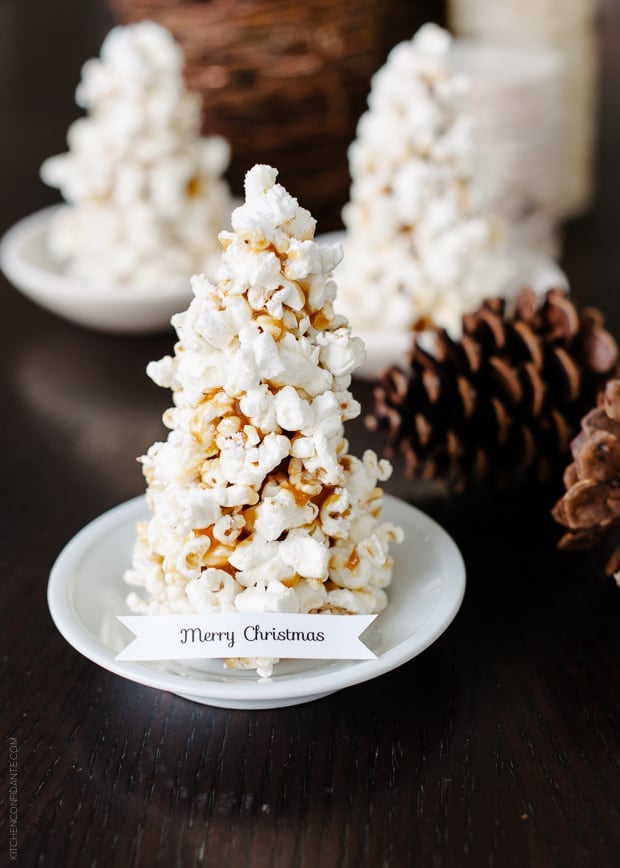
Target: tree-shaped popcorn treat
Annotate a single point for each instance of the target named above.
(256, 504)
(144, 193)
(418, 247)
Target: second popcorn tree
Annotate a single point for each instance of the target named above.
(144, 193)
(256, 504)
(419, 248)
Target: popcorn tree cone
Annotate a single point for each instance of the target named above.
(144, 192)
(419, 247)
(256, 504)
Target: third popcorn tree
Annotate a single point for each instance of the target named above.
(256, 504)
(418, 249)
(144, 192)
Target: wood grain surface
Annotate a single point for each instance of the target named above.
(498, 746)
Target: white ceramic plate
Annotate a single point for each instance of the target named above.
(26, 262)
(86, 592)
(391, 348)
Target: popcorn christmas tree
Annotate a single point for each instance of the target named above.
(256, 504)
(144, 191)
(418, 247)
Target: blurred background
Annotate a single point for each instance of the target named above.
(286, 83)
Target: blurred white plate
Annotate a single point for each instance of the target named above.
(383, 349)
(27, 264)
(86, 592)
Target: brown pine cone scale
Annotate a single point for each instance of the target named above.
(590, 507)
(503, 400)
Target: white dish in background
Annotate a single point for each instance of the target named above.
(535, 270)
(27, 264)
(86, 592)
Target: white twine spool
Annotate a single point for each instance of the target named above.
(568, 27)
(515, 99)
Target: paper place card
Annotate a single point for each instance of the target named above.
(181, 637)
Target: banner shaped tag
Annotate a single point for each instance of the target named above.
(259, 634)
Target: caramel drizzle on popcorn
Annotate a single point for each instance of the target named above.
(303, 485)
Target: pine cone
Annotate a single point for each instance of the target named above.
(504, 400)
(590, 508)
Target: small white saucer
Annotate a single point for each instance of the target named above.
(383, 349)
(86, 592)
(27, 264)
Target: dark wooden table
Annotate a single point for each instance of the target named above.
(498, 746)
